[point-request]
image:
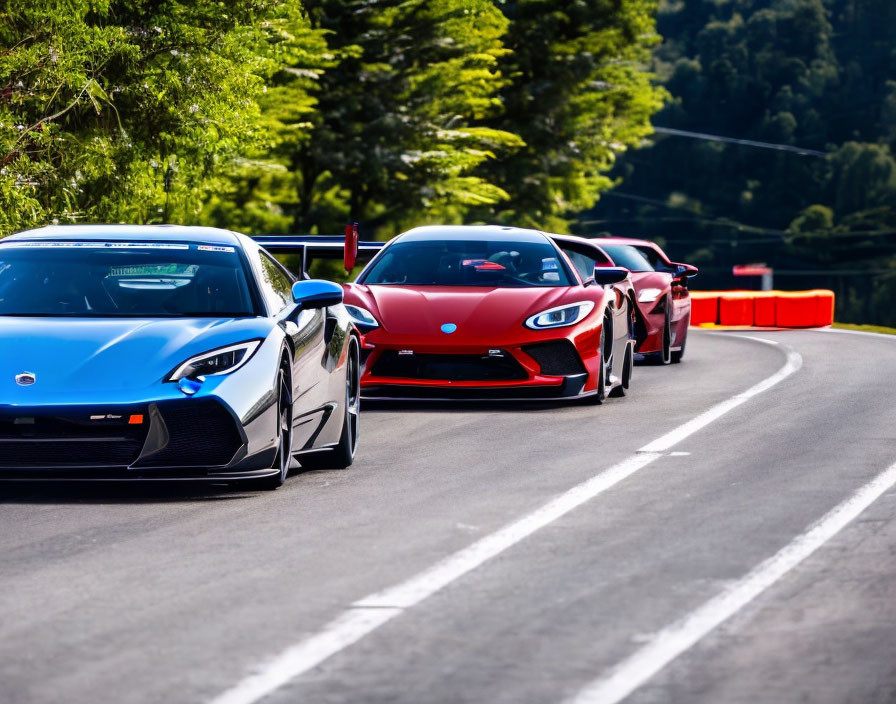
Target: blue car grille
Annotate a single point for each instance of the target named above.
(36, 441)
(202, 433)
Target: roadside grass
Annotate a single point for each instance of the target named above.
(865, 328)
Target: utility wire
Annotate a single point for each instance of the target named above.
(744, 142)
(773, 234)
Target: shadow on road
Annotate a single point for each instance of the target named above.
(136, 492)
(464, 406)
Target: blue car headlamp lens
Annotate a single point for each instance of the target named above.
(223, 360)
(561, 316)
(361, 316)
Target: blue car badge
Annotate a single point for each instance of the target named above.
(449, 328)
(25, 379)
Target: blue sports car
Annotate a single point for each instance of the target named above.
(165, 352)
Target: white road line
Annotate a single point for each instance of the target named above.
(668, 644)
(794, 362)
(866, 333)
(371, 612)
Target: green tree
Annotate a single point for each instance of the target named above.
(114, 110)
(398, 128)
(578, 95)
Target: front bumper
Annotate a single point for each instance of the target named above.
(535, 370)
(191, 438)
(569, 388)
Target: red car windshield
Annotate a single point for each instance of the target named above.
(491, 263)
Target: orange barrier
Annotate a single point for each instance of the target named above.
(764, 304)
(783, 309)
(804, 309)
(704, 307)
(736, 308)
(824, 307)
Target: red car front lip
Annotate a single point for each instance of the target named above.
(537, 381)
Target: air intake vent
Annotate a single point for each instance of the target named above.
(558, 358)
(202, 434)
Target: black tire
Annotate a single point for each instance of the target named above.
(343, 454)
(666, 353)
(679, 355)
(284, 436)
(601, 395)
(627, 367)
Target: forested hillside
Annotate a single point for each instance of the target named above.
(806, 77)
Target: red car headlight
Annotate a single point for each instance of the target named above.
(560, 316)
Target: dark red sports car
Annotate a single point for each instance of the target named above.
(664, 304)
(497, 313)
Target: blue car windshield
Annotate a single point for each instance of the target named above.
(119, 279)
(488, 262)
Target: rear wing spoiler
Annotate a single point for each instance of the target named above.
(311, 247)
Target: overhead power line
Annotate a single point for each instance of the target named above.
(744, 142)
(770, 233)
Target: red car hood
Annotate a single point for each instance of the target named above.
(422, 310)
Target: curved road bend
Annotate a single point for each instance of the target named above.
(138, 594)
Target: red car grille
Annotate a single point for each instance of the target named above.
(449, 367)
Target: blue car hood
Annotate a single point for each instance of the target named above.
(81, 360)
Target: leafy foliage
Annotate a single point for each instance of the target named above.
(578, 95)
(396, 133)
(114, 110)
(291, 115)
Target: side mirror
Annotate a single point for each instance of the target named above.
(606, 275)
(685, 271)
(316, 293)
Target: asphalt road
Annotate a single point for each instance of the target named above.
(138, 594)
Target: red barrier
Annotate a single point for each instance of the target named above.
(704, 307)
(783, 309)
(764, 304)
(796, 309)
(824, 307)
(736, 308)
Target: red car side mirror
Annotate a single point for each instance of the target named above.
(685, 271)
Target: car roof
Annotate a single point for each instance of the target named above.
(621, 240)
(574, 238)
(435, 233)
(124, 233)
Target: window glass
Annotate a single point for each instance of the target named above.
(275, 284)
(583, 263)
(487, 262)
(656, 261)
(121, 279)
(629, 257)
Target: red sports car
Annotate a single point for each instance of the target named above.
(496, 313)
(664, 304)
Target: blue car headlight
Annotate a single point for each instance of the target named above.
(361, 317)
(223, 360)
(561, 316)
